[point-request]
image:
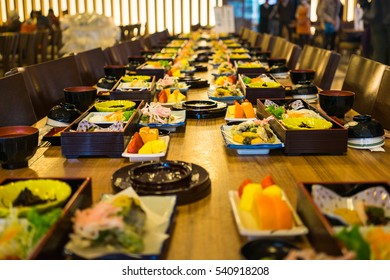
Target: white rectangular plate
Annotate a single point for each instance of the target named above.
(246, 223)
(147, 157)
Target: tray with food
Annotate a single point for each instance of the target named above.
(347, 216)
(147, 144)
(250, 67)
(260, 86)
(36, 215)
(135, 88)
(251, 137)
(302, 128)
(130, 227)
(109, 139)
(264, 211)
(154, 68)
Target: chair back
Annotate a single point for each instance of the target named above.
(363, 77)
(381, 109)
(90, 65)
(277, 49)
(267, 42)
(15, 104)
(46, 81)
(9, 42)
(324, 62)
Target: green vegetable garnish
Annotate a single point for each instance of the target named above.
(354, 241)
(276, 111)
(40, 223)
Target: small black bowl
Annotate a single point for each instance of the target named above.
(336, 102)
(276, 62)
(17, 145)
(115, 71)
(80, 96)
(302, 76)
(266, 249)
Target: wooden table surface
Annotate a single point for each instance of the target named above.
(206, 229)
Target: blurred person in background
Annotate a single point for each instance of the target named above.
(13, 23)
(274, 20)
(303, 24)
(377, 13)
(264, 12)
(286, 15)
(328, 12)
(54, 21)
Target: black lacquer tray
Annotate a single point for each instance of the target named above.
(198, 188)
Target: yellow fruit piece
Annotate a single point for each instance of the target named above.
(231, 110)
(238, 138)
(146, 148)
(248, 196)
(176, 96)
(158, 146)
(250, 134)
(153, 147)
(256, 140)
(273, 190)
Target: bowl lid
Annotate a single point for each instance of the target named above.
(363, 126)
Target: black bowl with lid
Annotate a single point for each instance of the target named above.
(364, 126)
(365, 133)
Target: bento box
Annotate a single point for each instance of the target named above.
(122, 91)
(156, 68)
(318, 200)
(51, 245)
(254, 93)
(307, 141)
(249, 67)
(99, 143)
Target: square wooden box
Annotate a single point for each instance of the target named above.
(321, 232)
(159, 73)
(101, 143)
(252, 94)
(249, 70)
(310, 141)
(52, 243)
(134, 95)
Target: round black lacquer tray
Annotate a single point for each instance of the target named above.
(202, 109)
(187, 192)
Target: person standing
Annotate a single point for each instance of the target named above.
(13, 22)
(303, 23)
(377, 13)
(264, 11)
(328, 12)
(274, 20)
(286, 14)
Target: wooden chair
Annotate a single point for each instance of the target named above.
(15, 104)
(277, 49)
(363, 77)
(90, 65)
(46, 81)
(267, 42)
(8, 47)
(324, 62)
(381, 109)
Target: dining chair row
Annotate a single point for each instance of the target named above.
(370, 81)
(21, 49)
(325, 62)
(29, 93)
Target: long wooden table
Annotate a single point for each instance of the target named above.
(206, 229)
